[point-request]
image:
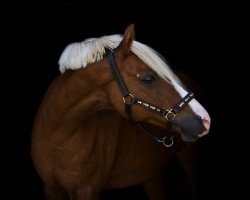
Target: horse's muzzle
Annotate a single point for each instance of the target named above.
(192, 128)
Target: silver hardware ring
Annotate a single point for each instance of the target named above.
(167, 141)
(170, 115)
(129, 99)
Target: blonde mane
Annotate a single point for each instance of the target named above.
(79, 55)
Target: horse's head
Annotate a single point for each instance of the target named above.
(148, 78)
(141, 80)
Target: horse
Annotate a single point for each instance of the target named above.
(113, 118)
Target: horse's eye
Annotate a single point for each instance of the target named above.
(149, 78)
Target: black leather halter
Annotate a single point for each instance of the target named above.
(129, 100)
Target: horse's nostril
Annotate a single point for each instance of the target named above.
(206, 123)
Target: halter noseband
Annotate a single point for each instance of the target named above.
(130, 100)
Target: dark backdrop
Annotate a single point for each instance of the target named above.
(193, 44)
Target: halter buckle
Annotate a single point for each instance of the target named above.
(129, 99)
(167, 141)
(170, 115)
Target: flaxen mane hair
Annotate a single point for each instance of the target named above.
(79, 55)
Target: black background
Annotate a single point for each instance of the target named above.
(193, 42)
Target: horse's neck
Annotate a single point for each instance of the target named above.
(70, 101)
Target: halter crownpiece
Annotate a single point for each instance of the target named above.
(129, 100)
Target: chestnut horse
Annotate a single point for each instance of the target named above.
(84, 141)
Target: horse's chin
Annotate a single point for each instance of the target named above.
(188, 138)
(160, 129)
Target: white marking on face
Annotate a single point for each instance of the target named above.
(197, 108)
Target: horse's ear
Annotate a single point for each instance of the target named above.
(127, 41)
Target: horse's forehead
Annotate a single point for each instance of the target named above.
(134, 65)
(134, 61)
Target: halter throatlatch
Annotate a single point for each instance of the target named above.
(129, 100)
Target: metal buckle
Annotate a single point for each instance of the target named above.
(167, 141)
(170, 115)
(129, 99)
